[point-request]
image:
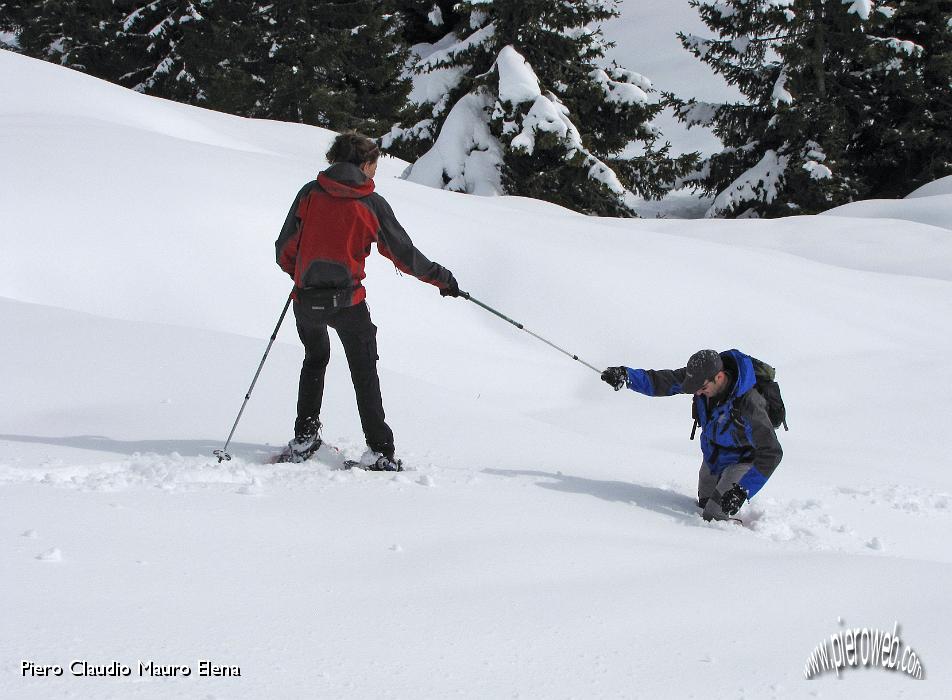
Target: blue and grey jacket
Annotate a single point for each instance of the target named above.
(735, 428)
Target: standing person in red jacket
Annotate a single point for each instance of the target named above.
(323, 244)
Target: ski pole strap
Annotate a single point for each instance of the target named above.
(469, 297)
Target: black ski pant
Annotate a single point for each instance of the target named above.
(358, 335)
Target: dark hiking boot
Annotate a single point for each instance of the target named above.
(307, 441)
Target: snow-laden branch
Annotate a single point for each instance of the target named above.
(622, 87)
(861, 8)
(760, 183)
(910, 48)
(466, 157)
(438, 58)
(780, 93)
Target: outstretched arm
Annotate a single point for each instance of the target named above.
(394, 243)
(650, 382)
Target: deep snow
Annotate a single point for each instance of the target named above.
(544, 543)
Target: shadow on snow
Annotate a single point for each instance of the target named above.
(203, 448)
(670, 503)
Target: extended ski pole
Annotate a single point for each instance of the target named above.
(468, 296)
(222, 454)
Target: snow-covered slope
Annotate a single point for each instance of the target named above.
(930, 204)
(938, 187)
(545, 542)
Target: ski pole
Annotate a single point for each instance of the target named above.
(469, 297)
(222, 454)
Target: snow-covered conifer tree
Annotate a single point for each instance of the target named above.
(333, 64)
(908, 142)
(166, 49)
(518, 99)
(74, 33)
(337, 65)
(808, 69)
(425, 21)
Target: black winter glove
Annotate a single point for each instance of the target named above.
(733, 499)
(451, 289)
(616, 377)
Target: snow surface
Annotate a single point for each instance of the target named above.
(544, 543)
(929, 204)
(940, 186)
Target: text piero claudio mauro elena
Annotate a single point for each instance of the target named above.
(115, 669)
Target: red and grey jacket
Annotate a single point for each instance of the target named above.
(329, 230)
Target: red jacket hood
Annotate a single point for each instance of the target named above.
(345, 180)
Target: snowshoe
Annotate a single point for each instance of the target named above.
(375, 462)
(299, 450)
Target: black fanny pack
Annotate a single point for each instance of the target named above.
(324, 299)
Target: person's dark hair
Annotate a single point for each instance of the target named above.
(352, 147)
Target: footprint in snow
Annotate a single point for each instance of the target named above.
(30, 534)
(53, 554)
(252, 489)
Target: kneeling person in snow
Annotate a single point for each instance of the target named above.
(738, 441)
(325, 240)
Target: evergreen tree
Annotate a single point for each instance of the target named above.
(162, 42)
(909, 142)
(812, 72)
(74, 33)
(426, 21)
(375, 57)
(178, 49)
(332, 64)
(327, 63)
(522, 104)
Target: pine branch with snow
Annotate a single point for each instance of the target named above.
(815, 74)
(521, 93)
(297, 60)
(909, 142)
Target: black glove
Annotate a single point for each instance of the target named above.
(616, 377)
(733, 499)
(451, 289)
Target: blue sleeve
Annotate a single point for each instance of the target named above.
(655, 382)
(752, 482)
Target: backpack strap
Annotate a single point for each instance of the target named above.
(694, 416)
